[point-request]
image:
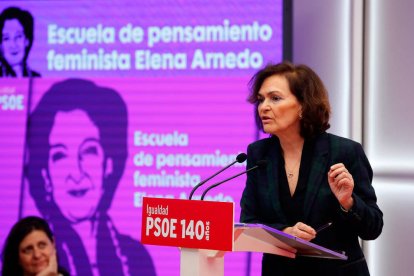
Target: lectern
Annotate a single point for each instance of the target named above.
(205, 231)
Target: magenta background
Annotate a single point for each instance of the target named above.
(12, 133)
(209, 105)
(151, 13)
(215, 114)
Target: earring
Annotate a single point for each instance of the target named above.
(48, 189)
(300, 116)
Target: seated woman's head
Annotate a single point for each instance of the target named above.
(29, 247)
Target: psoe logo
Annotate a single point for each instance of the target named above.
(13, 102)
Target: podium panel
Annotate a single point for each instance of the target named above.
(254, 234)
(188, 223)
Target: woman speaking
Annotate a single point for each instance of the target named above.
(312, 178)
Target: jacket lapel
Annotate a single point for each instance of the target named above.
(272, 173)
(318, 171)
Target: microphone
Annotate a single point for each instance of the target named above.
(239, 159)
(259, 164)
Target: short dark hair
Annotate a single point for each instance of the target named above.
(307, 87)
(106, 109)
(10, 254)
(25, 19)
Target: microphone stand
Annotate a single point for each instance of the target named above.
(207, 179)
(239, 159)
(225, 180)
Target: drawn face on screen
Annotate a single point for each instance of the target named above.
(76, 165)
(14, 42)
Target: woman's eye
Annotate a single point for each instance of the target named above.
(27, 251)
(57, 152)
(90, 150)
(260, 100)
(58, 156)
(276, 98)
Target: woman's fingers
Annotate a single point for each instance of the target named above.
(341, 183)
(303, 231)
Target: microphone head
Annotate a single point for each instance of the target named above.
(262, 163)
(241, 157)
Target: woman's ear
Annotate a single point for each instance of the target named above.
(109, 167)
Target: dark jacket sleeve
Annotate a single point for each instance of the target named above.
(365, 217)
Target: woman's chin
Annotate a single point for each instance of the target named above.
(80, 216)
(39, 267)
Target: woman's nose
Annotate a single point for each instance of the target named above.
(75, 171)
(36, 253)
(13, 42)
(264, 105)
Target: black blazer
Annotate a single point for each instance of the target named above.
(260, 204)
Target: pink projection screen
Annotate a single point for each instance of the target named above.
(125, 99)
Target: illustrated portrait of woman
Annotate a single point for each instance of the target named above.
(16, 40)
(77, 143)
